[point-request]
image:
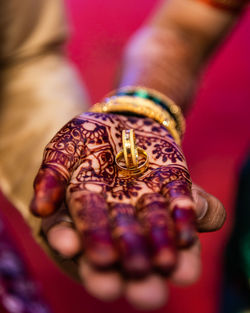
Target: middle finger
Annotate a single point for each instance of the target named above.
(90, 214)
(158, 225)
(129, 237)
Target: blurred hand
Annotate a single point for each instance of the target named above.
(130, 232)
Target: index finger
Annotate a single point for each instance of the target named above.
(61, 155)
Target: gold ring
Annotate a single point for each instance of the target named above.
(132, 171)
(130, 150)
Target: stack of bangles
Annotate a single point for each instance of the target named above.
(144, 102)
(232, 6)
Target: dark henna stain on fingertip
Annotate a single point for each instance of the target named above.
(49, 192)
(41, 208)
(185, 224)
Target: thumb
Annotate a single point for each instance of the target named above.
(211, 214)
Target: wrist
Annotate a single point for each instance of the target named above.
(145, 102)
(162, 60)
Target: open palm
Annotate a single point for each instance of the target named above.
(137, 225)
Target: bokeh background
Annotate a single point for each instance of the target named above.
(215, 144)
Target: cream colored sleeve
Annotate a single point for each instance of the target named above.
(40, 92)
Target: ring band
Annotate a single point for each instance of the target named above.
(132, 171)
(130, 151)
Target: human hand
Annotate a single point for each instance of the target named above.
(139, 222)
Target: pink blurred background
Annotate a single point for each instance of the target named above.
(216, 141)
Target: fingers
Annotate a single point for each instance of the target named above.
(64, 239)
(210, 211)
(189, 266)
(60, 157)
(129, 239)
(147, 294)
(158, 225)
(61, 236)
(49, 187)
(181, 205)
(89, 212)
(104, 285)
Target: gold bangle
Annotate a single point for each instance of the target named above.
(132, 171)
(129, 148)
(142, 107)
(166, 102)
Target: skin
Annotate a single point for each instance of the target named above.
(64, 238)
(130, 232)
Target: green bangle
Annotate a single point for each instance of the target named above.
(158, 98)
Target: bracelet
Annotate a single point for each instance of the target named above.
(233, 6)
(158, 98)
(140, 106)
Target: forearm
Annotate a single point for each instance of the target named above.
(169, 52)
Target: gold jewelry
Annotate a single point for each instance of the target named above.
(130, 150)
(132, 171)
(142, 107)
(156, 97)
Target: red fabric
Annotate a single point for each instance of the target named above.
(217, 139)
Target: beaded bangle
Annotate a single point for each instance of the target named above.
(233, 6)
(158, 98)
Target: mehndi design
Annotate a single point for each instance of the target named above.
(141, 220)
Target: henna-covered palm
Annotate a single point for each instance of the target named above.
(139, 221)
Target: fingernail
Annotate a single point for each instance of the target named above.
(201, 205)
